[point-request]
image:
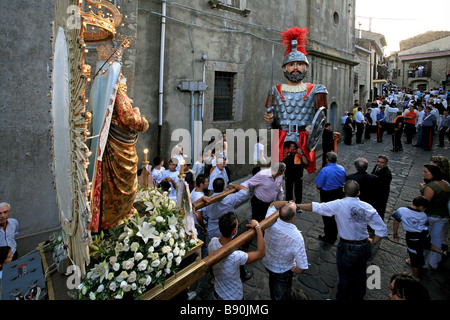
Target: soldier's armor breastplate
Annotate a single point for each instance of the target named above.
(292, 112)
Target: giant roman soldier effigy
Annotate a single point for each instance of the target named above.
(297, 109)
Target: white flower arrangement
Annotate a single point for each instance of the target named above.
(139, 254)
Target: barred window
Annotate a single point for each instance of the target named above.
(223, 96)
(231, 3)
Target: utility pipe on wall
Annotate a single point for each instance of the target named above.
(161, 75)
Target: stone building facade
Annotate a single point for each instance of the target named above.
(424, 67)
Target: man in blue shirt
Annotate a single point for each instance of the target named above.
(429, 121)
(330, 182)
(381, 124)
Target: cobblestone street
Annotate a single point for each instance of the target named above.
(320, 280)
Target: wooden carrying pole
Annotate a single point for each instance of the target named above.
(199, 204)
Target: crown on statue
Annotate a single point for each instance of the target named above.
(98, 27)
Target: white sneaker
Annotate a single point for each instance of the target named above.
(191, 295)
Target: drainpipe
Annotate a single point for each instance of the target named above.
(161, 75)
(201, 103)
(199, 125)
(192, 126)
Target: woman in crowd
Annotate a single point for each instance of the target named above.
(437, 192)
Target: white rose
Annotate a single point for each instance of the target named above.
(116, 266)
(167, 271)
(159, 219)
(132, 277)
(127, 265)
(178, 260)
(142, 265)
(123, 275)
(112, 260)
(134, 246)
(113, 286)
(134, 286)
(182, 245)
(171, 242)
(158, 274)
(110, 276)
(100, 288)
(166, 249)
(119, 296)
(138, 256)
(123, 284)
(176, 251)
(167, 237)
(127, 288)
(170, 256)
(169, 264)
(148, 280)
(83, 290)
(156, 241)
(151, 249)
(91, 295)
(155, 263)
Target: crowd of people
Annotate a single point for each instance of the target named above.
(402, 113)
(353, 209)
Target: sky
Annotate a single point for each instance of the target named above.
(402, 19)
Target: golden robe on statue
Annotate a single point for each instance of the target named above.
(119, 162)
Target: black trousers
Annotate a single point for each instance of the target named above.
(359, 132)
(259, 208)
(397, 140)
(380, 131)
(428, 133)
(294, 182)
(348, 135)
(329, 223)
(442, 135)
(410, 131)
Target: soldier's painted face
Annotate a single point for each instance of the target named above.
(295, 71)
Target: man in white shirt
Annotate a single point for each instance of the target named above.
(227, 280)
(158, 169)
(170, 178)
(360, 123)
(268, 184)
(201, 183)
(419, 126)
(353, 217)
(285, 249)
(258, 152)
(218, 172)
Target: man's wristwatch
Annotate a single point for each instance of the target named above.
(256, 226)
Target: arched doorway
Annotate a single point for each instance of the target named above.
(332, 114)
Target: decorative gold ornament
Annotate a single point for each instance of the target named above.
(96, 27)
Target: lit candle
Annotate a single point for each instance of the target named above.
(145, 172)
(145, 154)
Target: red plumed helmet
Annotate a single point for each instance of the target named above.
(295, 40)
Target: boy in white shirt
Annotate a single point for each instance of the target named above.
(414, 221)
(227, 280)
